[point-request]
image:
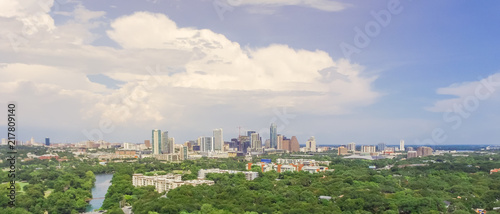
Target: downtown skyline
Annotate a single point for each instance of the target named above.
(341, 71)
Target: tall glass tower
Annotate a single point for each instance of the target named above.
(274, 135)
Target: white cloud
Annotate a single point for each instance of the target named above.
(198, 69)
(465, 92)
(265, 5)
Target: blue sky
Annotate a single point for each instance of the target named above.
(187, 67)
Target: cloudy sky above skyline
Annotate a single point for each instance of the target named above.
(342, 71)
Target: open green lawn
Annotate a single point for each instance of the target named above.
(47, 193)
(21, 184)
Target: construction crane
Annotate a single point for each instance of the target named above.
(239, 131)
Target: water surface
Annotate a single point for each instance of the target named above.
(102, 183)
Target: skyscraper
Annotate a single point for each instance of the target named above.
(47, 141)
(294, 144)
(285, 144)
(218, 140)
(207, 144)
(184, 153)
(170, 146)
(249, 133)
(351, 147)
(402, 145)
(381, 147)
(274, 135)
(156, 139)
(311, 144)
(164, 143)
(279, 142)
(255, 140)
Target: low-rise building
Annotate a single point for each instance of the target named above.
(202, 173)
(165, 183)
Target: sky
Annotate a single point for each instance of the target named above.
(342, 71)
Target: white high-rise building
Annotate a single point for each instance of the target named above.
(311, 144)
(4, 141)
(156, 141)
(402, 145)
(170, 146)
(206, 144)
(218, 140)
(351, 147)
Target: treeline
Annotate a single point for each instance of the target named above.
(446, 185)
(50, 186)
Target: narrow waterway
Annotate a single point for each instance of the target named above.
(102, 183)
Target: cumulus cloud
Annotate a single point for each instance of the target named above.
(466, 93)
(171, 75)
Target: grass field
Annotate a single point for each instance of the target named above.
(47, 193)
(21, 184)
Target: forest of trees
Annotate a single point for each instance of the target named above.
(447, 184)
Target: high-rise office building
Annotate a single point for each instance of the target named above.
(402, 145)
(279, 142)
(184, 153)
(164, 143)
(249, 133)
(47, 141)
(255, 142)
(294, 144)
(156, 137)
(171, 145)
(147, 143)
(351, 147)
(311, 144)
(206, 144)
(218, 140)
(285, 144)
(381, 147)
(273, 135)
